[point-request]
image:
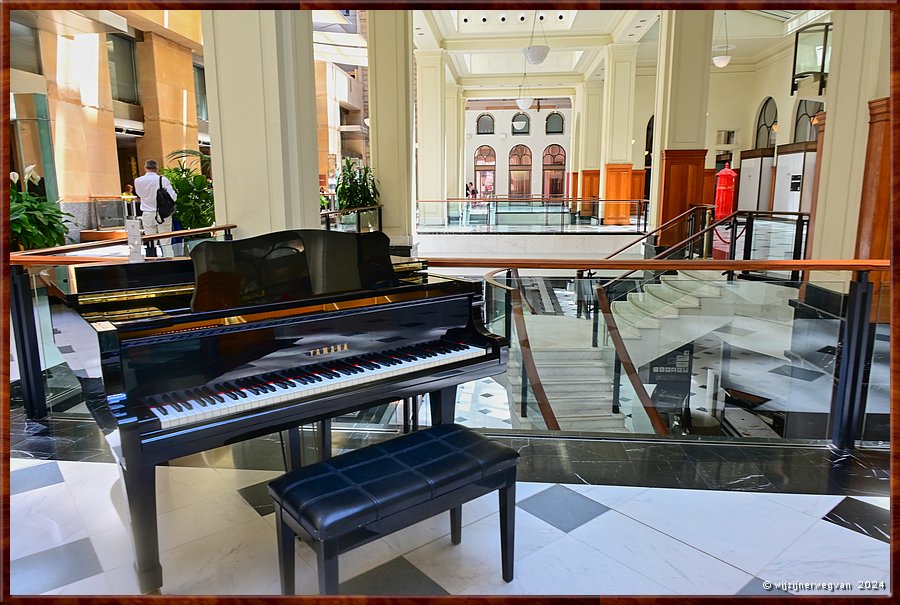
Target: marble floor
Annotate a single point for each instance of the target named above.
(594, 517)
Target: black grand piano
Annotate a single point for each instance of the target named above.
(275, 331)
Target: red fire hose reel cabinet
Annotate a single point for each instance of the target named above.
(725, 192)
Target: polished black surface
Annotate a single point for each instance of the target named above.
(775, 468)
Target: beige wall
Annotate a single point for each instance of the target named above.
(644, 100)
(166, 80)
(733, 99)
(78, 91)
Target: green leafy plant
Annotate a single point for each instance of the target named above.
(184, 155)
(34, 222)
(194, 204)
(356, 186)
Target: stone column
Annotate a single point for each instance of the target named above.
(682, 93)
(860, 72)
(454, 127)
(586, 143)
(391, 119)
(262, 104)
(618, 131)
(166, 80)
(431, 140)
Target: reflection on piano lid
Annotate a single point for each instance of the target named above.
(288, 265)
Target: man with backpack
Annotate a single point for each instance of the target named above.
(157, 205)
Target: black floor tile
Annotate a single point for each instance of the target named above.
(258, 497)
(795, 372)
(53, 568)
(396, 577)
(862, 517)
(33, 477)
(562, 507)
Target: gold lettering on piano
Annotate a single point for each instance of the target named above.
(328, 350)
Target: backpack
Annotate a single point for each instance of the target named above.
(165, 205)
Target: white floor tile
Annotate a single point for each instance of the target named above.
(238, 478)
(180, 486)
(43, 518)
(608, 495)
(830, 553)
(113, 547)
(242, 559)
(123, 580)
(352, 563)
(812, 504)
(455, 567)
(208, 516)
(726, 525)
(569, 567)
(671, 563)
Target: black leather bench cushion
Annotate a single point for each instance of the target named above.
(357, 488)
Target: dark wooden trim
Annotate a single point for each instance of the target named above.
(664, 265)
(628, 365)
(764, 152)
(802, 147)
(534, 378)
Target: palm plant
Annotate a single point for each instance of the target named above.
(180, 155)
(194, 204)
(34, 222)
(356, 186)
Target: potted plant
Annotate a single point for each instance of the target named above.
(356, 186)
(194, 204)
(33, 221)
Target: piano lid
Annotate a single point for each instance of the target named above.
(288, 266)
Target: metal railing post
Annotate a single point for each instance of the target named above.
(798, 245)
(617, 387)
(27, 347)
(732, 244)
(854, 353)
(507, 309)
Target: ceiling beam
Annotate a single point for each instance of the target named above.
(513, 80)
(512, 93)
(633, 25)
(559, 42)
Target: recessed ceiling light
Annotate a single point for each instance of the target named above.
(465, 19)
(560, 17)
(643, 21)
(484, 19)
(637, 27)
(631, 34)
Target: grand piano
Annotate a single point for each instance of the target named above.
(275, 331)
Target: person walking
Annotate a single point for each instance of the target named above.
(146, 187)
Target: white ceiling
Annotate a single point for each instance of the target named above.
(485, 46)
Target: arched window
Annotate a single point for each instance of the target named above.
(767, 124)
(804, 130)
(484, 124)
(554, 124)
(485, 166)
(521, 123)
(519, 171)
(554, 171)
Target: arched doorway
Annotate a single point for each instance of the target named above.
(519, 172)
(767, 124)
(485, 169)
(554, 171)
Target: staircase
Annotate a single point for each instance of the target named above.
(683, 307)
(576, 380)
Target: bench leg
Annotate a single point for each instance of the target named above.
(456, 524)
(286, 540)
(508, 528)
(327, 565)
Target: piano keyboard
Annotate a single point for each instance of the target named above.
(189, 406)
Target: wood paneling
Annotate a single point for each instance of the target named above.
(573, 189)
(873, 236)
(681, 179)
(590, 187)
(637, 184)
(618, 187)
(819, 123)
(709, 186)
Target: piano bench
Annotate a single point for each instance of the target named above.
(354, 498)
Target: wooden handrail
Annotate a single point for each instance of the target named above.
(534, 378)
(656, 420)
(117, 241)
(862, 264)
(657, 230)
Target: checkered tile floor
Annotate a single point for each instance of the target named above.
(217, 536)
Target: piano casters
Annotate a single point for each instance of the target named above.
(140, 489)
(310, 442)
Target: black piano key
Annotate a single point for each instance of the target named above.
(209, 392)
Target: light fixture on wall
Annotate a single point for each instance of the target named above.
(723, 58)
(536, 53)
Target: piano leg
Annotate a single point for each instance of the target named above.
(290, 441)
(325, 439)
(443, 405)
(140, 491)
